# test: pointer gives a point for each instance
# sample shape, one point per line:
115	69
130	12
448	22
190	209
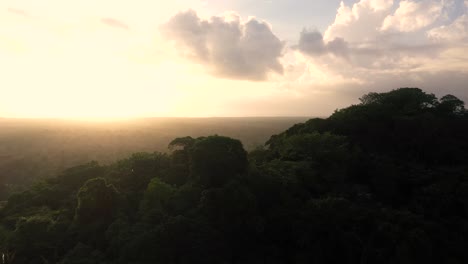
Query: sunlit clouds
230	47
191	58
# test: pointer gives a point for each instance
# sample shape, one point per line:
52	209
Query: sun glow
98	90
78	61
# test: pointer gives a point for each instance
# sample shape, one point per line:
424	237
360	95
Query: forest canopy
382	181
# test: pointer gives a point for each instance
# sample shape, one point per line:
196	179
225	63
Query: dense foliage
384	181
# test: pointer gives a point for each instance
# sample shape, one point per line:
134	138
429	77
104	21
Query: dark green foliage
97	207
407	100
96	201
450	104
133	174
215	160
384	181
154	205
76	176
35	237
83	254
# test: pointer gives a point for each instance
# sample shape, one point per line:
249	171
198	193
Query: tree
450	104
34	237
215	160
83	254
97	207
6	252
97	201
182	142
408	100
153	206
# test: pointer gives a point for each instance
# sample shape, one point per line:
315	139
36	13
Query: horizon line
150	117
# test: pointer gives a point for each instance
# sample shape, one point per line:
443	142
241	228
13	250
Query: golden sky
103	59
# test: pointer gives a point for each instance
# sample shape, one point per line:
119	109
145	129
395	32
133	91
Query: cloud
375	45
367	20
313	44
115	23
326	85
228	46
456	31
375	55
359	22
412	15
376	35
19	12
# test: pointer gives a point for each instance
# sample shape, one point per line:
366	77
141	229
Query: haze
122	59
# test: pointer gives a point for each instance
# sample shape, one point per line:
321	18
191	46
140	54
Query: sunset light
78	59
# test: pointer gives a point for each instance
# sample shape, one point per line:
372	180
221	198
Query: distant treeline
383	181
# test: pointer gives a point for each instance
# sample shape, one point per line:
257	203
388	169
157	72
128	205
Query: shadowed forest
383	181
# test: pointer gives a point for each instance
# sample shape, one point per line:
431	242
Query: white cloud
456	31
361	35
377	5
360	22
383	46
228	46
411	15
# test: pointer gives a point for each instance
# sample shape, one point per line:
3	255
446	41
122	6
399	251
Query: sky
203	58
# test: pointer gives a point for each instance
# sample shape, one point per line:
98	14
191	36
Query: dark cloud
114	23
231	48
312	43
379	54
